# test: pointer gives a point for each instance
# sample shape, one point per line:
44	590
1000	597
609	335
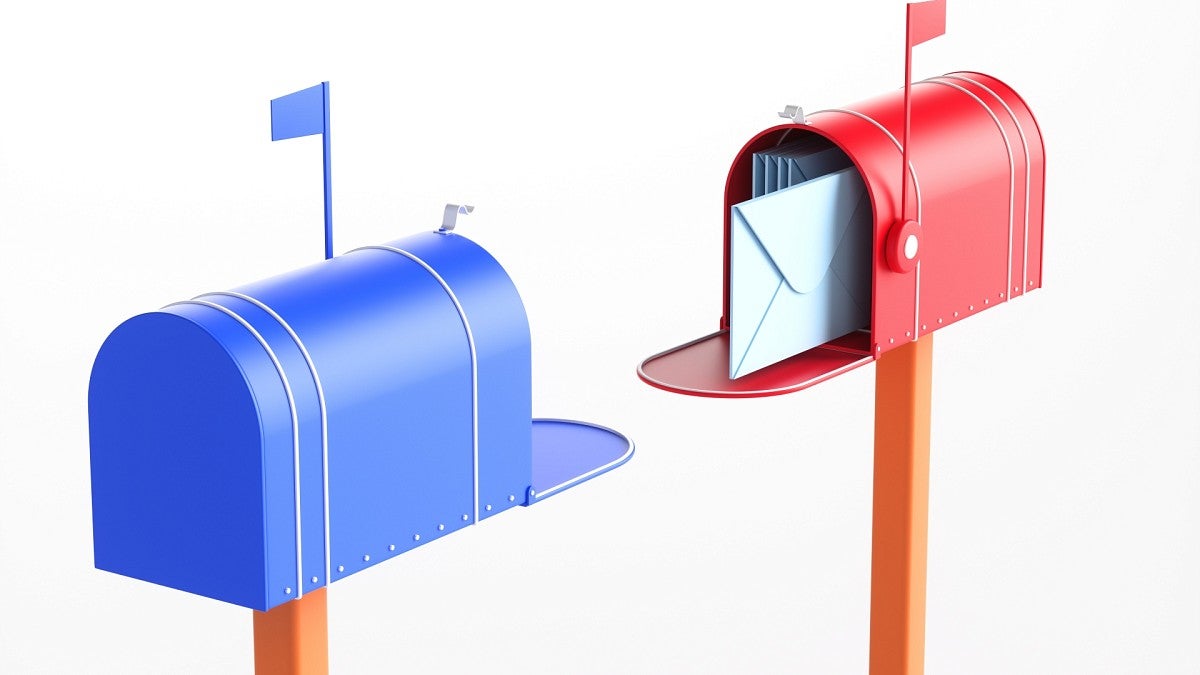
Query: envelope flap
801	227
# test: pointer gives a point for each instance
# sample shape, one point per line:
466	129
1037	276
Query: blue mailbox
256	444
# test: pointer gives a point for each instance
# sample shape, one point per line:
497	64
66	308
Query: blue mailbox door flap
567	453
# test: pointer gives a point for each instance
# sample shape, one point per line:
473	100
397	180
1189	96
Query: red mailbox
972	238
854	233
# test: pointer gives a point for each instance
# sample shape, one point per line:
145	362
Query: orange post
900	513
293	638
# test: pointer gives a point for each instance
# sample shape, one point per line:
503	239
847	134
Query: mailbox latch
450	217
794	113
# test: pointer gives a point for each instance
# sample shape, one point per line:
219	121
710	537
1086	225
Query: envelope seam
761	320
763	246
857	207
771	257
849	292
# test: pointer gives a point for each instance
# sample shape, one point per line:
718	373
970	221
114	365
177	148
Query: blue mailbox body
253	445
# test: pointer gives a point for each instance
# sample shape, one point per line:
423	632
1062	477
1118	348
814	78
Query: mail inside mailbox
800	256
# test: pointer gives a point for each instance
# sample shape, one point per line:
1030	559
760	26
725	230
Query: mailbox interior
701	367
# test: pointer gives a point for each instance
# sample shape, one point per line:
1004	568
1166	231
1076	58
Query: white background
1064	537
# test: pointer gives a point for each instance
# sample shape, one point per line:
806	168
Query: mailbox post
900	509
258	444
852	235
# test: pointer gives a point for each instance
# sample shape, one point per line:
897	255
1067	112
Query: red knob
904	246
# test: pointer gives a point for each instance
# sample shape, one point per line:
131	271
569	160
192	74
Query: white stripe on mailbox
1028	169
462	314
1012	172
312	368
287	390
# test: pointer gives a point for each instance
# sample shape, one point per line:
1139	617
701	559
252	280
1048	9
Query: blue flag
304	113
300	114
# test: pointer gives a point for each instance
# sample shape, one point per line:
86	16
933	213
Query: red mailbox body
977	167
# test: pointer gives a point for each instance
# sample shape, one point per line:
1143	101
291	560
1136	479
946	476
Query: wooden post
293	638
900	513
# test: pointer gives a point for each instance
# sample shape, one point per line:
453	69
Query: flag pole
306	113
900	500
905	177
328	180
293	638
923	22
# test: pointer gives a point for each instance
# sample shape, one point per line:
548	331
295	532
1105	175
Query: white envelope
800	269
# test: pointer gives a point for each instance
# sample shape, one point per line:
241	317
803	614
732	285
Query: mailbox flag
926	20
299	114
304	113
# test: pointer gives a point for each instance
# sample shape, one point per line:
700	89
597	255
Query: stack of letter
784	166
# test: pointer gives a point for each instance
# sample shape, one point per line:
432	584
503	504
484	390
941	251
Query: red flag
926	20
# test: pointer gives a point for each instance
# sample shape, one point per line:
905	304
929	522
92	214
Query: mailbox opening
797	207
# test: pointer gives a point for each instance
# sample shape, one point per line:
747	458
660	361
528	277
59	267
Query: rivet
923	327
891	341
908	333
1002	295
341	568
315	580
956	315
985	301
1031	283
970	308
512	498
287	591
391	547
416	537
488	507
466	517
441	527
1016	288
939	320
366	558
